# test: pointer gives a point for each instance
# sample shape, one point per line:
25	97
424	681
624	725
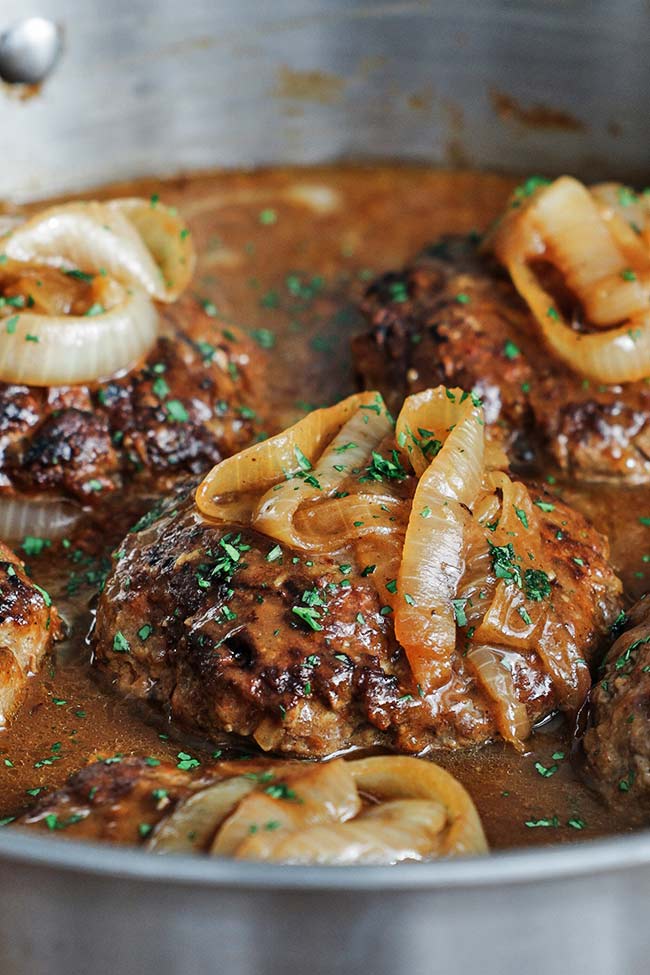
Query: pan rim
521	866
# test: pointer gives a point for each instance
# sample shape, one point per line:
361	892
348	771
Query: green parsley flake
120	643
176	411
32	545
186	763
523	518
275	554
537	585
459	611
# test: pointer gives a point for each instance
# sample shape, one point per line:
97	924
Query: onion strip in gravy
419	812
125	253
604	260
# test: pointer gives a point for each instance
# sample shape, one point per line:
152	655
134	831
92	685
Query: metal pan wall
148	87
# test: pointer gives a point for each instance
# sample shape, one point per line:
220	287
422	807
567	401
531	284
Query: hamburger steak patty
193	402
216	627
617	742
453	317
29	624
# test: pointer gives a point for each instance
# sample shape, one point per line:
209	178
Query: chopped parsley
32	545
176	411
523	518
504	563
537	585
186	763
280	790
544	505
275	554
459	611
382	468
120	643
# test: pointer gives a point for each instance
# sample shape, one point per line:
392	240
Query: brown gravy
286	253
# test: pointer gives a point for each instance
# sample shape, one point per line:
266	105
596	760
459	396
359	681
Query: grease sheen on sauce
285	253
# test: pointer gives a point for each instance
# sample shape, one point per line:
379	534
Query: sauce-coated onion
604	263
129	251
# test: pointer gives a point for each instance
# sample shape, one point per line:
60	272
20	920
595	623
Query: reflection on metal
157	88
29	50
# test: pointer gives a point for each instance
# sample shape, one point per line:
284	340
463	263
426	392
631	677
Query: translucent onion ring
46	518
130	240
49	350
415	778
134	250
422	812
351	449
511	716
230	492
590	243
432	560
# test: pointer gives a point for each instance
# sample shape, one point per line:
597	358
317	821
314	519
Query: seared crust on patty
29	624
453	317
617	742
194	401
217	644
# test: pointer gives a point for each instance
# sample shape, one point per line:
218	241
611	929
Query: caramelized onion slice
405	829
49	518
396	778
488	663
310	795
617	355
196	819
432	560
130	240
313	813
587	239
231	490
49	350
350	450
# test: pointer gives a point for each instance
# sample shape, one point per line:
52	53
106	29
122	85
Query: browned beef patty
116	800
216	627
454	318
29	624
617	743
194	401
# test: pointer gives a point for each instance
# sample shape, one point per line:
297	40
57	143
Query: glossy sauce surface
285	254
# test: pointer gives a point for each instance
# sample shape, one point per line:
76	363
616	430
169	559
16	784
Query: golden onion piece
265	485
138	243
126	253
64	350
451	465
376	810
599	242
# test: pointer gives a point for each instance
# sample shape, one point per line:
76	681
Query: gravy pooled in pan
284	259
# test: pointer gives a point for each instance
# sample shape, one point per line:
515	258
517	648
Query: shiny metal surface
29	50
154	86
74	909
